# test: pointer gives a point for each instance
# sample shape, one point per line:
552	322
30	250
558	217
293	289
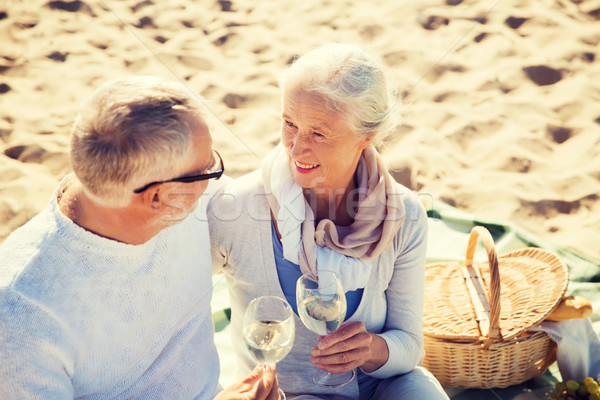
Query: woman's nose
298	145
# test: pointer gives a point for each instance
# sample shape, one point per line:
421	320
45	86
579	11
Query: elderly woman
324	199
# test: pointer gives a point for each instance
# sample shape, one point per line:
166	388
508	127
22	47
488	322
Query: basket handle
494	292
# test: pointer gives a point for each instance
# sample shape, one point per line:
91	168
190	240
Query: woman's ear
364	143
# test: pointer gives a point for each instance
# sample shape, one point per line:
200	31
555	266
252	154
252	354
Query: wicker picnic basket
477	316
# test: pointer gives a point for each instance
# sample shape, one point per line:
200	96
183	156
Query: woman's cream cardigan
392	301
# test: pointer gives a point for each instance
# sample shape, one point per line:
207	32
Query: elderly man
106	293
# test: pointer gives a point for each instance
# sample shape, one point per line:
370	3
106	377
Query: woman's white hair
129	132
351	81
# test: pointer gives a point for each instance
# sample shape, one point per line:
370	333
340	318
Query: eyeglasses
213	172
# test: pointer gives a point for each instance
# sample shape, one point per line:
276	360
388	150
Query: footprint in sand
370	32
141	4
515	22
6	128
55	161
146	22
551	207
233	100
71	6
559	134
432	22
58	56
226	5
543	75
25	153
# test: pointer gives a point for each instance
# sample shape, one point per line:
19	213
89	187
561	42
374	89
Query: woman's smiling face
323	151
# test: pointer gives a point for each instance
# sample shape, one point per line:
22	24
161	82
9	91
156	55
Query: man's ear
152	197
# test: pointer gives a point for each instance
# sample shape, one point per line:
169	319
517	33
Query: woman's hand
349	347
261	384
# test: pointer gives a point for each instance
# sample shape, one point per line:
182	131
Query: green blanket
449	230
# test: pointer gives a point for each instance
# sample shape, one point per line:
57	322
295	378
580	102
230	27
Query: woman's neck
337	205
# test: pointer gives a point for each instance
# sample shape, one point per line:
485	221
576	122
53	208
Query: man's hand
261	384
349	347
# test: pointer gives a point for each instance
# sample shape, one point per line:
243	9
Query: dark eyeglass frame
191	178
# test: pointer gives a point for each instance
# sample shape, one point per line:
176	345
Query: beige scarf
347	250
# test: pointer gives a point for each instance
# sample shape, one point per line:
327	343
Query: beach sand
502	97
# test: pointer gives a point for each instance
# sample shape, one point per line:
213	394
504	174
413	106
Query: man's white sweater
86	317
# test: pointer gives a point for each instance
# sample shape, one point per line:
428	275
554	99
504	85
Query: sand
502	97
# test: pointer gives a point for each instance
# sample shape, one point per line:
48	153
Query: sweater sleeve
403	329
213	206
220	217
233	213
36	357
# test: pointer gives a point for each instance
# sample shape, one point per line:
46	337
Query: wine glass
269	330
322	308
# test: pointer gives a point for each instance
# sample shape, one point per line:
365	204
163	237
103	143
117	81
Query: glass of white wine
269	330
322	309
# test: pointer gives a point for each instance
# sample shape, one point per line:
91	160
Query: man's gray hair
352	82
129	132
